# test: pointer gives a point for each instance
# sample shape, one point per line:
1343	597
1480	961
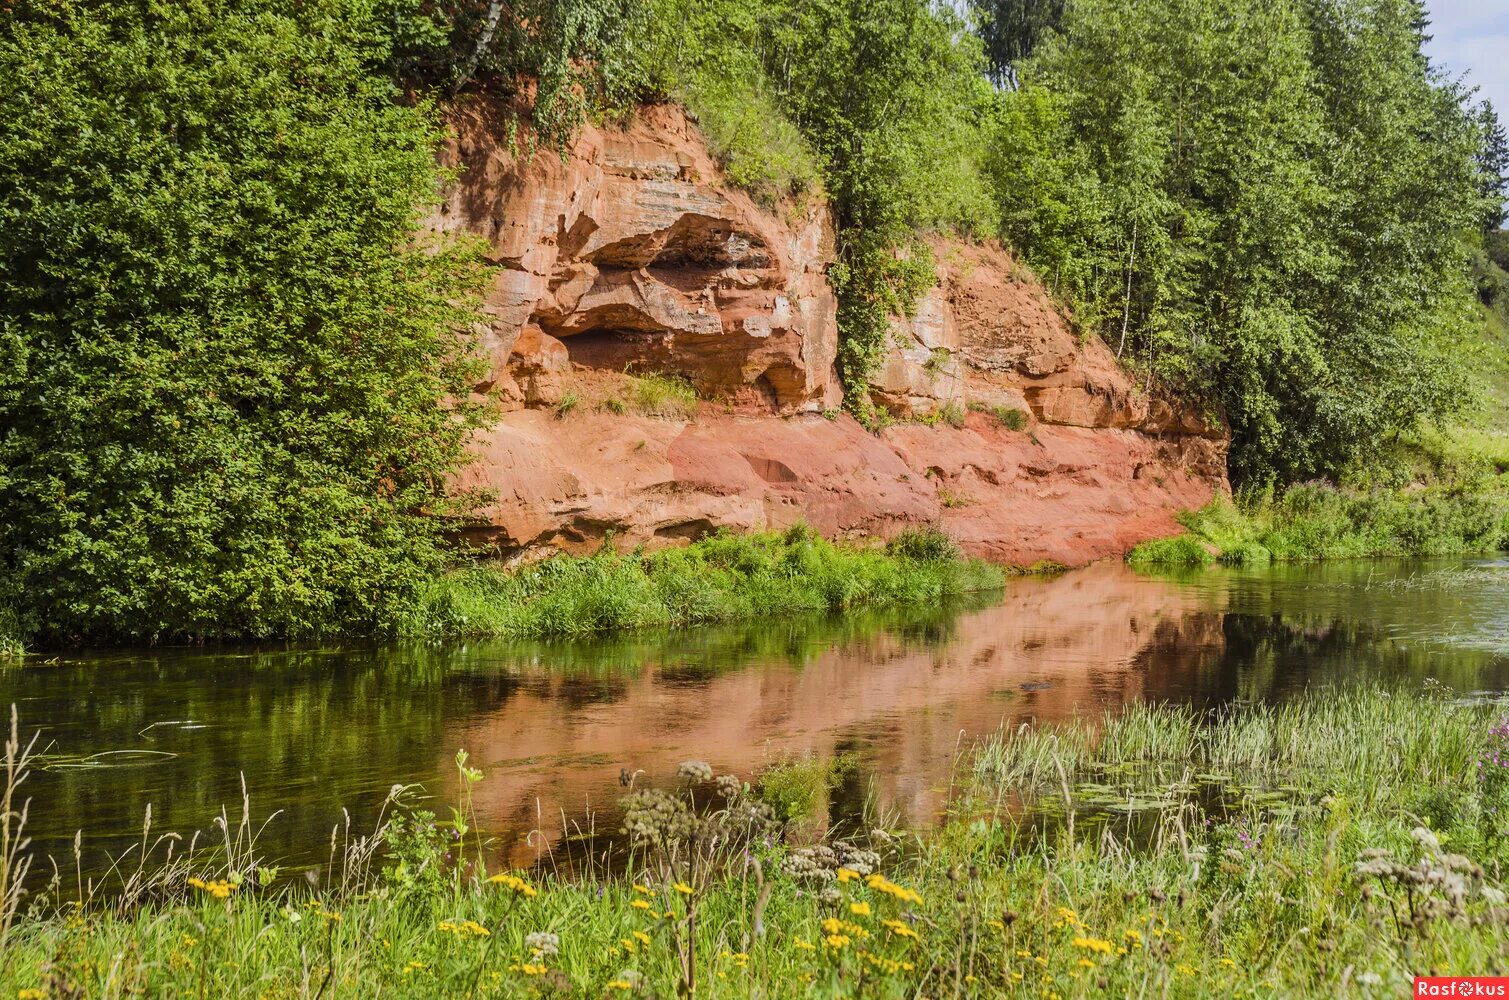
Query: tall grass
1317	521
724	577
1374	745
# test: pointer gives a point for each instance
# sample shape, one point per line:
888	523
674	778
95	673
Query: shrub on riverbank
232	381
1317	521
724	577
1342	842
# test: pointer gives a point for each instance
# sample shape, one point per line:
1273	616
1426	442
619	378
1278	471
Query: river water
315	731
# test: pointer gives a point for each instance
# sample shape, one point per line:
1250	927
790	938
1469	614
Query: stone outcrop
629	256
627	253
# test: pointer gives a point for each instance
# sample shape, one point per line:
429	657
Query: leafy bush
223	357
1275	213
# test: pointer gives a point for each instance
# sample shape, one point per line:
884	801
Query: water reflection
554	724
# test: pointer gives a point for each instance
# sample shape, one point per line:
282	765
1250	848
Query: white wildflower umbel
543	944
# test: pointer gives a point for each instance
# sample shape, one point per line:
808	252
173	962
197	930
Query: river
553	725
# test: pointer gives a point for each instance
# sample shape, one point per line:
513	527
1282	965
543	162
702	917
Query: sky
1472	37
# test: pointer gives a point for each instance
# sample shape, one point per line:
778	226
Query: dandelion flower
682	888
642	937
643	890
640	904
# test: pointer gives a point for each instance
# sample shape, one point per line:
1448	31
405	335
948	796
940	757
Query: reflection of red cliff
632	254
1072	640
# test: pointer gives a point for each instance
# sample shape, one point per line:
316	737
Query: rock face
627	254
628	259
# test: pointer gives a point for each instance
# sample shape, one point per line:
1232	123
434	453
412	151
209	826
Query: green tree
1493	166
1269	204
225	360
1011	31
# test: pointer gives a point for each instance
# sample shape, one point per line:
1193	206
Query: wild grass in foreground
721	578
1383	858
1317	521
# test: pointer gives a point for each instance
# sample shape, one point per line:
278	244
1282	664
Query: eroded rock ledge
630	255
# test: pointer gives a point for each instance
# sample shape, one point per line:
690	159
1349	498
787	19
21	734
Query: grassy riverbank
725	577
1318	521
1332	847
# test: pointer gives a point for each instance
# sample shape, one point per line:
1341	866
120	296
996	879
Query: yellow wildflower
882	884
619	984
899	929
415	967
682	888
832	925
640	904
1133	937
642	936
643	890
860	909
836	941
1229	963
1093	944
530	969
847	875
1184	970
804	944
515	883
1086	963
466	928
628	944
220	890
31	994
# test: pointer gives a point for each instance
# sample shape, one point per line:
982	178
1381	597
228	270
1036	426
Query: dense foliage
222	356
569	58
1275	213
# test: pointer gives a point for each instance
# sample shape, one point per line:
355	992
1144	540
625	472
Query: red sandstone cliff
630	255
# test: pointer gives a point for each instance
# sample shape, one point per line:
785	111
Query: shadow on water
553	724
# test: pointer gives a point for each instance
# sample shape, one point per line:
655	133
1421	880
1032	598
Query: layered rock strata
629	258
